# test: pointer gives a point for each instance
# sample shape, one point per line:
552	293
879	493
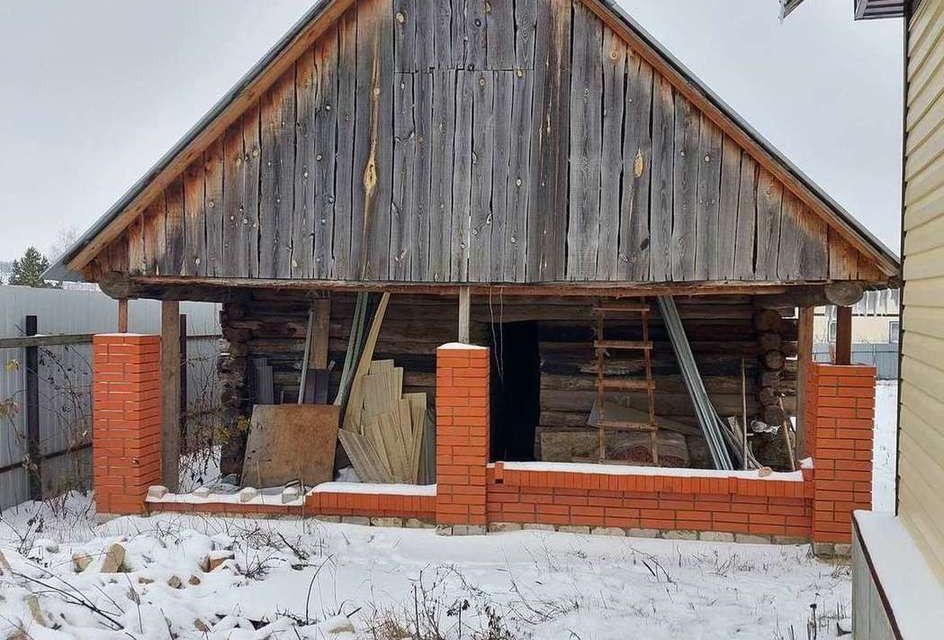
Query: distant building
876	319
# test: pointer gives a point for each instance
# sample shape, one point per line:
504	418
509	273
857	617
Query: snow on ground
885	446
288	579
300	579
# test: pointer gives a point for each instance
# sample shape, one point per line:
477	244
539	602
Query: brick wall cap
460	346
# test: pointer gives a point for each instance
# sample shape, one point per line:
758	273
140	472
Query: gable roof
322	15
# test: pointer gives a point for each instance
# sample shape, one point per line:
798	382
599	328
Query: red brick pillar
126	430
462	426
842	407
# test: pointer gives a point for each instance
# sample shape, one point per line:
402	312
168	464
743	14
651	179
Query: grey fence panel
65	376
883	356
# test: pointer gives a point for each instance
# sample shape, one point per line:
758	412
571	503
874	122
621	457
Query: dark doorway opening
515	390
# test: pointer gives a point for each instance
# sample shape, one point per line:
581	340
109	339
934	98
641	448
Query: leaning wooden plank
373	431
370	344
417	402
291	442
355	406
366	462
394	446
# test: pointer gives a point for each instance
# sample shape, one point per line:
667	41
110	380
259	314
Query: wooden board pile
383	427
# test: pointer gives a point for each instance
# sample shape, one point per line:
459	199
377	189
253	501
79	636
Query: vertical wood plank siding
457	141
921	443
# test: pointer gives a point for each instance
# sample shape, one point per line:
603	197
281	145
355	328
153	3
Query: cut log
767	320
774	360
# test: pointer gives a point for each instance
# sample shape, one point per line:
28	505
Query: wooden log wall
721	329
439	141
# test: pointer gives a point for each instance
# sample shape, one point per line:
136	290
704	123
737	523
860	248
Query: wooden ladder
606	383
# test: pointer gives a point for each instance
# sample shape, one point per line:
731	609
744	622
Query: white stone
337	626
157	492
248	494
716	536
680	534
572	528
416	523
503	527
356	520
608	531
537	526
202	492
468	530
643	533
291	494
386	522
750	538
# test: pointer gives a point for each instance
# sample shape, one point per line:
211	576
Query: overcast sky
92	93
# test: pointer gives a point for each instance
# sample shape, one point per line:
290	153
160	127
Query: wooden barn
527	175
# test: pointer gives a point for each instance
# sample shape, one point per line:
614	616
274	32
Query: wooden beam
465	311
318	356
843	335
123	315
182	341
232	289
170	393
804	360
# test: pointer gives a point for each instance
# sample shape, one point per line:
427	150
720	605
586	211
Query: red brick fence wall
473	495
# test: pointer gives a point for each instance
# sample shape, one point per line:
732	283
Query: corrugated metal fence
65	377
884	356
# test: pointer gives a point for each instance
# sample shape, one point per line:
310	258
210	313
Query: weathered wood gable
520	141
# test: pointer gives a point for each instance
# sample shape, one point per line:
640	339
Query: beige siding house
921	441
898	558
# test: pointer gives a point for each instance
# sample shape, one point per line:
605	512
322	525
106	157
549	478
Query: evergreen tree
28	270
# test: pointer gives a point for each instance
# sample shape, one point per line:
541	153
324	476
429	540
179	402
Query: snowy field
242	579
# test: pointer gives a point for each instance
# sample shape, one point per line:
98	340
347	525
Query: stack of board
383	427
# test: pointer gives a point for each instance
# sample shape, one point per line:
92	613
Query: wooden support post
123	315
183	378
804	360
465	310
170	393
843	335
34	470
318	356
